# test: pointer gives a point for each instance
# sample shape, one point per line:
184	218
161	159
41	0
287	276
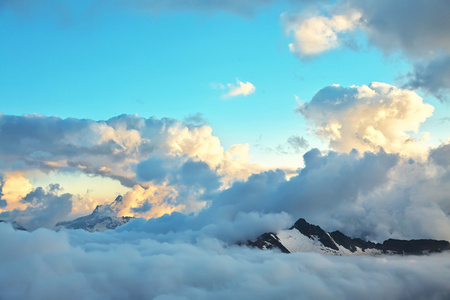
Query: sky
218	121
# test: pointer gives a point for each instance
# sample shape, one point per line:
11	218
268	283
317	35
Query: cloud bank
74	265
157	155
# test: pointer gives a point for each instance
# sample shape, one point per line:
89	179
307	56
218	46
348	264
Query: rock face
268	241
305	237
104	217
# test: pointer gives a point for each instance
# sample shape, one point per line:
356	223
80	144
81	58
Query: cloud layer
74	265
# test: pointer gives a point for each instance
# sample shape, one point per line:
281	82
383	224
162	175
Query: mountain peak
103	217
305	237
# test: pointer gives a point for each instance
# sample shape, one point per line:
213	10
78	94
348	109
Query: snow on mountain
104	217
305	237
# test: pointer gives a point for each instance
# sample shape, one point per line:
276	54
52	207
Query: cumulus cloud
315	35
373	196
241	89
145	155
368	118
109	148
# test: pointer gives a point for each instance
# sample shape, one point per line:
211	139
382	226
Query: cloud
14	188
39	208
373	196
294	144
315	35
241	89
368	118
418	28
120	264
433	77
128	148
195	119
376	195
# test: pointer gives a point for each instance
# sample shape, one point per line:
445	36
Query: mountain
104	217
305	237
15	225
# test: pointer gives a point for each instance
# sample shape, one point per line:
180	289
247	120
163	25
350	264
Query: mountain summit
305	237
103	217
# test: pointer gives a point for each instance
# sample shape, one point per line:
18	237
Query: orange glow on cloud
15	187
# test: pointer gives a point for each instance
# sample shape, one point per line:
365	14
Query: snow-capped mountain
305	237
104	217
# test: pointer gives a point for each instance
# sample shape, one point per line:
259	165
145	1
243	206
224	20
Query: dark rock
268	241
415	247
313	230
331	240
351	244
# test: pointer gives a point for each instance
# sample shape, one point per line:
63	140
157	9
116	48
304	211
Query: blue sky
97	64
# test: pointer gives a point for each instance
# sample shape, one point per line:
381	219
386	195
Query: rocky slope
104	217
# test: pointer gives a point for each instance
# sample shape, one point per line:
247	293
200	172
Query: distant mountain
15	225
104	217
305	237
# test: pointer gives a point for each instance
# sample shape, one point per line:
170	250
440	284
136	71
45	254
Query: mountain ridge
104	217
306	237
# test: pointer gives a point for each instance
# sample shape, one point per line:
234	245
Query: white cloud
318	34
241	89
127	265
368	118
